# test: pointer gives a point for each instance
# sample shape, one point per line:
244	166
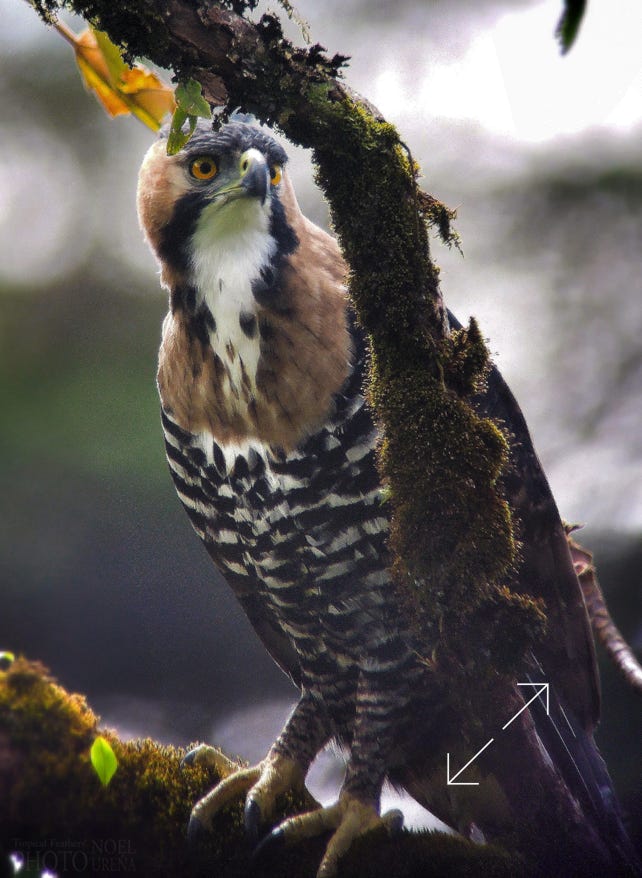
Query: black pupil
205	167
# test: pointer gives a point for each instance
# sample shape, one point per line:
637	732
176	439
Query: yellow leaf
112	58
118	87
102	89
153	97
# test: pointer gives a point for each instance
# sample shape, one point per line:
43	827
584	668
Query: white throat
231	244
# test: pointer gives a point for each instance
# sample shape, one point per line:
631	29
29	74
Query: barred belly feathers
272	447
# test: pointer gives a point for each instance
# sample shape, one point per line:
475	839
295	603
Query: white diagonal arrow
543	688
463	783
452	781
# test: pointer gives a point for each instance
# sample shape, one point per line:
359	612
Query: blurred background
101	576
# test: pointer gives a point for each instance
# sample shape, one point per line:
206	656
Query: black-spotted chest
225	279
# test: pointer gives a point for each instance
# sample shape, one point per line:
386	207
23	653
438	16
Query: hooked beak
252	181
254	174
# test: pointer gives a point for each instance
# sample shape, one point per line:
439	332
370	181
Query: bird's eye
275	174
203	168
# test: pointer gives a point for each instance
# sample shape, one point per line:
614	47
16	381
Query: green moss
452	533
52	800
440	217
503	628
427	855
50	790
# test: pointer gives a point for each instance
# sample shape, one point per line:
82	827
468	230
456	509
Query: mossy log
55	812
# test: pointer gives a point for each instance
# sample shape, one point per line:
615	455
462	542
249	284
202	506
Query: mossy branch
56	814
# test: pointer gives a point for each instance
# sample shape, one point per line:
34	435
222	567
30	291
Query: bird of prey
272	449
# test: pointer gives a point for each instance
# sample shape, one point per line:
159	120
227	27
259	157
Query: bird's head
256	342
222	183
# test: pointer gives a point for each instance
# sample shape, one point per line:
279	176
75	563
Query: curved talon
209	757
347	819
223	794
196	832
272	843
264	782
393	821
191	757
252	820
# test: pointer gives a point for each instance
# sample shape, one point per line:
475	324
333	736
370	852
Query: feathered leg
381	703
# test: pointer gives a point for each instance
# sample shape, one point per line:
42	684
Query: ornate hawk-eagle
272	449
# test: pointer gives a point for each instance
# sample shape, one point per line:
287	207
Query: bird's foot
347	819
262	783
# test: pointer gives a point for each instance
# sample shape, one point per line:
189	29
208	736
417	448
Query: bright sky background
513	80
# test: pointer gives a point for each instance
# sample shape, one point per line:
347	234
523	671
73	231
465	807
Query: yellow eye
203	168
275	174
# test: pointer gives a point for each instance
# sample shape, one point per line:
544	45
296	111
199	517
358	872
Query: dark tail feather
575	754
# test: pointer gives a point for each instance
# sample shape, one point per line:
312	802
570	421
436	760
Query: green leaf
190	105
103	759
569	24
177	138
189	98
